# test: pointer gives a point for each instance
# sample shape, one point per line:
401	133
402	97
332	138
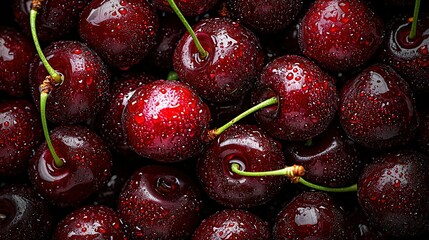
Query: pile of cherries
331	138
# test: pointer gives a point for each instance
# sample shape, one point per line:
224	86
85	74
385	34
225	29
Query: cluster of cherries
263	119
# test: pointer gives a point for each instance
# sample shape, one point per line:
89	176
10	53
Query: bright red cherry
166	121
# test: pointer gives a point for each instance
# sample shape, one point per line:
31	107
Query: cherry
232	224
307	98
57	17
166	121
234	59
20	135
187	7
86	166
90	222
253	150
377	108
393	192
16	53
121	31
310	215
160	202
409	57
265	15
340	34
84	89
23	214
329	159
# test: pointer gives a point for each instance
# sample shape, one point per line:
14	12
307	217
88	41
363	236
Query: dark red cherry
84	89
377	108
86	168
55	19
393	191
160	202
16	53
90	222
109	120
234	60
265	15
340	34
20	135
329	159
121	31
232	224
166	121
310	215
254	151
409	57
307	98
187	7
23	214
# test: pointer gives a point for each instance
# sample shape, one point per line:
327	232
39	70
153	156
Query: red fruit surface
187	7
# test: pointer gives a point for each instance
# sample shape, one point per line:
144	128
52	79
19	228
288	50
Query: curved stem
415	19
57	77
43	98
290	171
352	188
201	50
172	76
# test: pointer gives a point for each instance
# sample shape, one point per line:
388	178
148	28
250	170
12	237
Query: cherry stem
217	131
415	17
172	76
33	14
201	50
352	188
290	171
43	98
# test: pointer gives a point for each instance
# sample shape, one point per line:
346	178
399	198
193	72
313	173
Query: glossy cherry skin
16	53
187	7
409	57
340	34
24	215
254	151
166	121
307	98
55	19
232	224
265	16
20	135
377	108
235	59
121	31
108	122
310	215
160	202
329	159
393	192
84	88
90	222
86	168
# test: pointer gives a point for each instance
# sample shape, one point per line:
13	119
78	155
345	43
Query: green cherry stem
33	14
201	50
172	76
415	18
352	188
217	131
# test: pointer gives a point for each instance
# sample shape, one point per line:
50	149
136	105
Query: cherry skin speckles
393	191
121	31
377	108
20	135
160	202
254	151
234	60
86	168
84	89
232	224
187	7
16	53
166	121
307	98
340	34
91	222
